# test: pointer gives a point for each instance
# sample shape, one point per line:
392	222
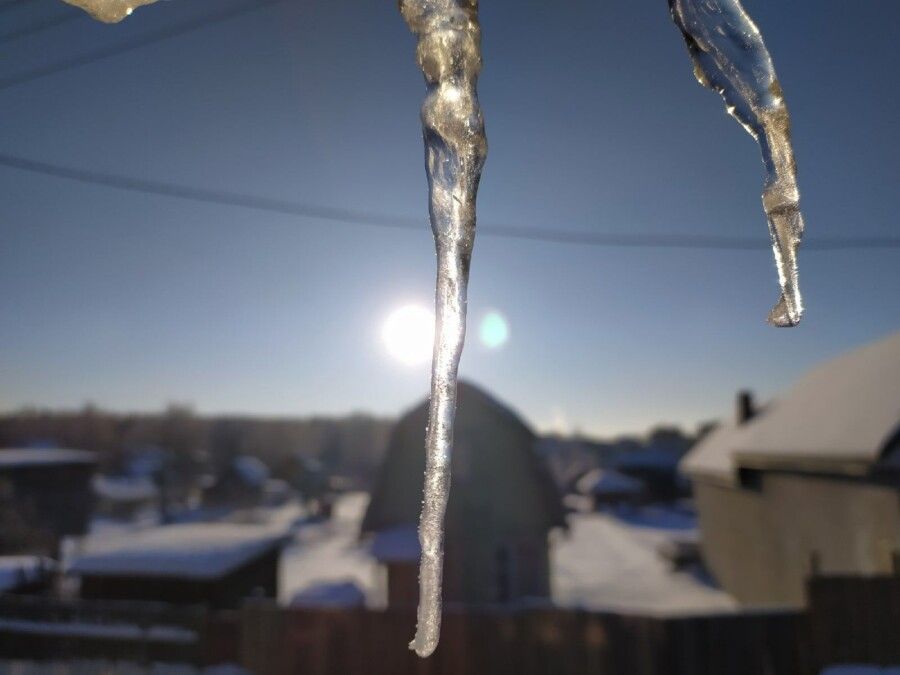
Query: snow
330	553
251	469
606	564
602	564
125	488
14	458
608	481
840	414
398	544
19	570
199	551
112	631
337	594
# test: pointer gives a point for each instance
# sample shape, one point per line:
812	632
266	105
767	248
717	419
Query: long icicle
109	11
731	58
449	54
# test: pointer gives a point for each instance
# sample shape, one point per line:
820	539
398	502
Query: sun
408	334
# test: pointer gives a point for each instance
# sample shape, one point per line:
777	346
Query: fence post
262	637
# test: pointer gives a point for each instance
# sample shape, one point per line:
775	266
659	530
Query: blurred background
218	278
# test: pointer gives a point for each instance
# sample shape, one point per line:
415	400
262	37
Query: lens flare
494	330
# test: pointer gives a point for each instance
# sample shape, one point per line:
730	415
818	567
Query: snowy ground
329	552
602	563
605	563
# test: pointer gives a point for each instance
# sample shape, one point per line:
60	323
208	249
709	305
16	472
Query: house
809	484
241	484
125	497
215	564
608	487
503	504
26	574
45	495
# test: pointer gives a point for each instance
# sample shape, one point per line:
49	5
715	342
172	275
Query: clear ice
731	58
109	11
449	54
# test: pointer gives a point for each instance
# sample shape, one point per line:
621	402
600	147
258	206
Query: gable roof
204	551
840	417
494	440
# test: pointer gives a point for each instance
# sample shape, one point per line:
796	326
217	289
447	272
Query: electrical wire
368	219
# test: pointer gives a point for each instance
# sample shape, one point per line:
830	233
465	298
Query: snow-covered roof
20	570
197	550
651	458
124	488
607	481
838	417
251	469
330	594
13	458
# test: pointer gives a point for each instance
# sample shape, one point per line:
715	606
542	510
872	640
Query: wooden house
214	564
503	504
808	485
45	495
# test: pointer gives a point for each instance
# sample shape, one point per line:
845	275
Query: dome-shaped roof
493	463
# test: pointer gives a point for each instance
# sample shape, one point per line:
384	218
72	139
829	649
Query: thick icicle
449	53
109	11
730	57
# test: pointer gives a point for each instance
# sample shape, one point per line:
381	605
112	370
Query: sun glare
408	334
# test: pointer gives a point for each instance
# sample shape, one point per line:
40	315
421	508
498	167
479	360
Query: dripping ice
731	58
449	54
109	11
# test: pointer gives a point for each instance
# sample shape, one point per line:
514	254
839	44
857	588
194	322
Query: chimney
745	408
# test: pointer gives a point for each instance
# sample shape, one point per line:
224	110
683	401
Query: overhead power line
10	4
188	26
367	219
39	27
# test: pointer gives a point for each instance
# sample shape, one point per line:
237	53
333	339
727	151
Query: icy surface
449	54
730	57
109	11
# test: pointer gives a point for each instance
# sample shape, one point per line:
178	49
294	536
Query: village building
502	507
214	564
810	484
45	495
126	498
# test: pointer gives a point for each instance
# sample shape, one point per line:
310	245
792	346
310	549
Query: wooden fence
45	628
531	642
854	620
848	620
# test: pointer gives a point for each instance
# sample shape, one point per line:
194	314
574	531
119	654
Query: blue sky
595	124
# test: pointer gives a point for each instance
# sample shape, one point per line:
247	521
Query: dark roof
502	474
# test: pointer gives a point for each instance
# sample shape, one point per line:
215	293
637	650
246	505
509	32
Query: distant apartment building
809	484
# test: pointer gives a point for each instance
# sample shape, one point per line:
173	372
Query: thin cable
11	4
39	27
335	214
156	36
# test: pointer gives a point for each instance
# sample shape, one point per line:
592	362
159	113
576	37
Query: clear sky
595	124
